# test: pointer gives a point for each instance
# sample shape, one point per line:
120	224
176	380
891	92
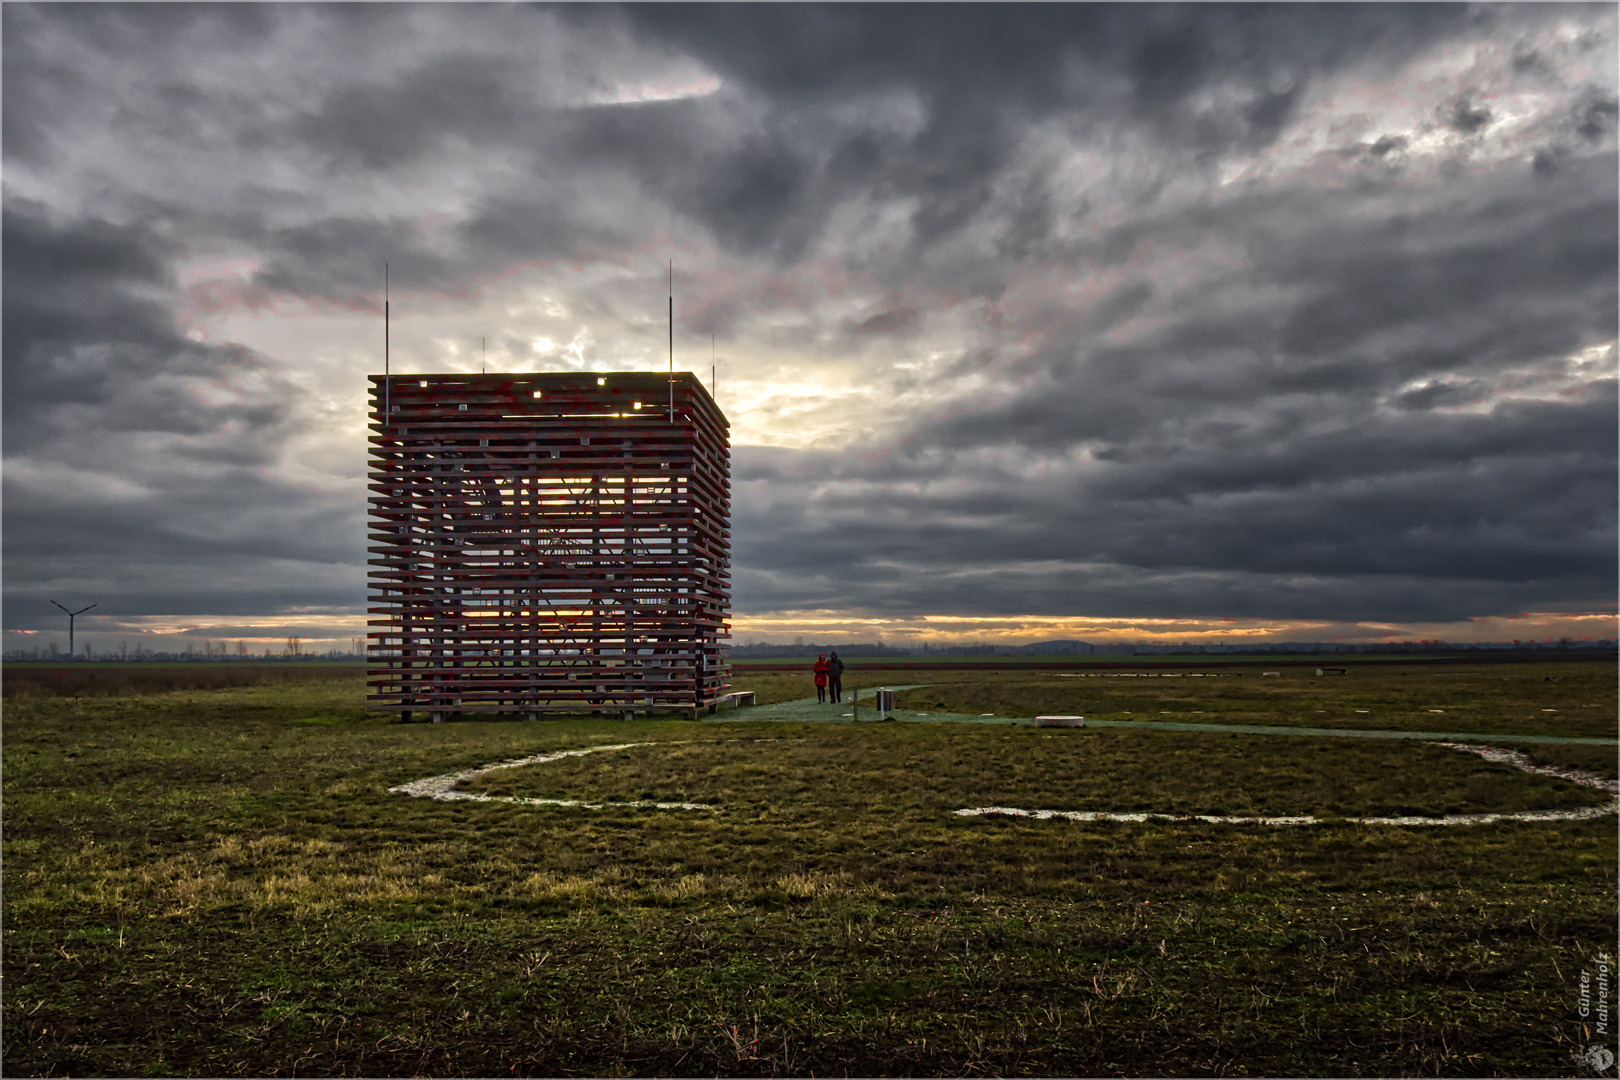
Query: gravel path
1489	753
809	710
443	787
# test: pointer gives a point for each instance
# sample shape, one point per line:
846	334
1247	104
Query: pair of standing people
829	677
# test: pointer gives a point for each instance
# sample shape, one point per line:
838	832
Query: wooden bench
735	699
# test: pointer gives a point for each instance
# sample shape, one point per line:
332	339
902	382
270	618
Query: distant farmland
145	678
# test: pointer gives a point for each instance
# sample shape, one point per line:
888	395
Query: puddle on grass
1489	753
443	787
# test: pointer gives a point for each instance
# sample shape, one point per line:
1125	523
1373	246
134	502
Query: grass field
218	881
143	678
1571	699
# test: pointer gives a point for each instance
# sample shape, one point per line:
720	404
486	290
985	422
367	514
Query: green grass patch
915	773
207	882
1573	699
67	680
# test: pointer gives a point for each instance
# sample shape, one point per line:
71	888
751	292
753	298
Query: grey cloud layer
1282	398
1263	461
139	463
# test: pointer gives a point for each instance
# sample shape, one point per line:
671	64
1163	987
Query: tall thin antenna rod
712	365
386	381
71	616
672	341
483	366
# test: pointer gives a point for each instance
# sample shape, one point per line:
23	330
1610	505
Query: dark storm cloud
1288	460
69	286
137	461
1594	116
1468	117
982	73
1434	528
318	260
452	99
1284	398
985	72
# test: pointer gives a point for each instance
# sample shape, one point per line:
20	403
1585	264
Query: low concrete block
1060	721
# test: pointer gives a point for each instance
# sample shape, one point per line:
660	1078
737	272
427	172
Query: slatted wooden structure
553	542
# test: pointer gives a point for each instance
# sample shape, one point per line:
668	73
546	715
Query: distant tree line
761	650
201	651
205	651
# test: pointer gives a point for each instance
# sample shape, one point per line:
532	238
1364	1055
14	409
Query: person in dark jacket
835	677
820	668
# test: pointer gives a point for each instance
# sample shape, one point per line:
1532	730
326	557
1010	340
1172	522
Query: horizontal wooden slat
567	552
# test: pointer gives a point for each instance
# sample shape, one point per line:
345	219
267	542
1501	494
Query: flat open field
220	881
1569	699
92	679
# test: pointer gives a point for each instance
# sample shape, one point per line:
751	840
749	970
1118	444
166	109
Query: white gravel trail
1489	753
443	787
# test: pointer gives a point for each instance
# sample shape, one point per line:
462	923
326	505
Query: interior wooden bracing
548	543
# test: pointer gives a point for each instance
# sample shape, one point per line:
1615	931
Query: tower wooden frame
550	542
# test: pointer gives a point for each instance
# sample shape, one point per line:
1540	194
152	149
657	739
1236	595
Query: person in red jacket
820	668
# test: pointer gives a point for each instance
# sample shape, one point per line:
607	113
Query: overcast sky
1032	322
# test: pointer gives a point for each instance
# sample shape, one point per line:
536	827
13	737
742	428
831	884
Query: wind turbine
71	615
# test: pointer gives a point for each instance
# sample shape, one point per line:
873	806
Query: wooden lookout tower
548	543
